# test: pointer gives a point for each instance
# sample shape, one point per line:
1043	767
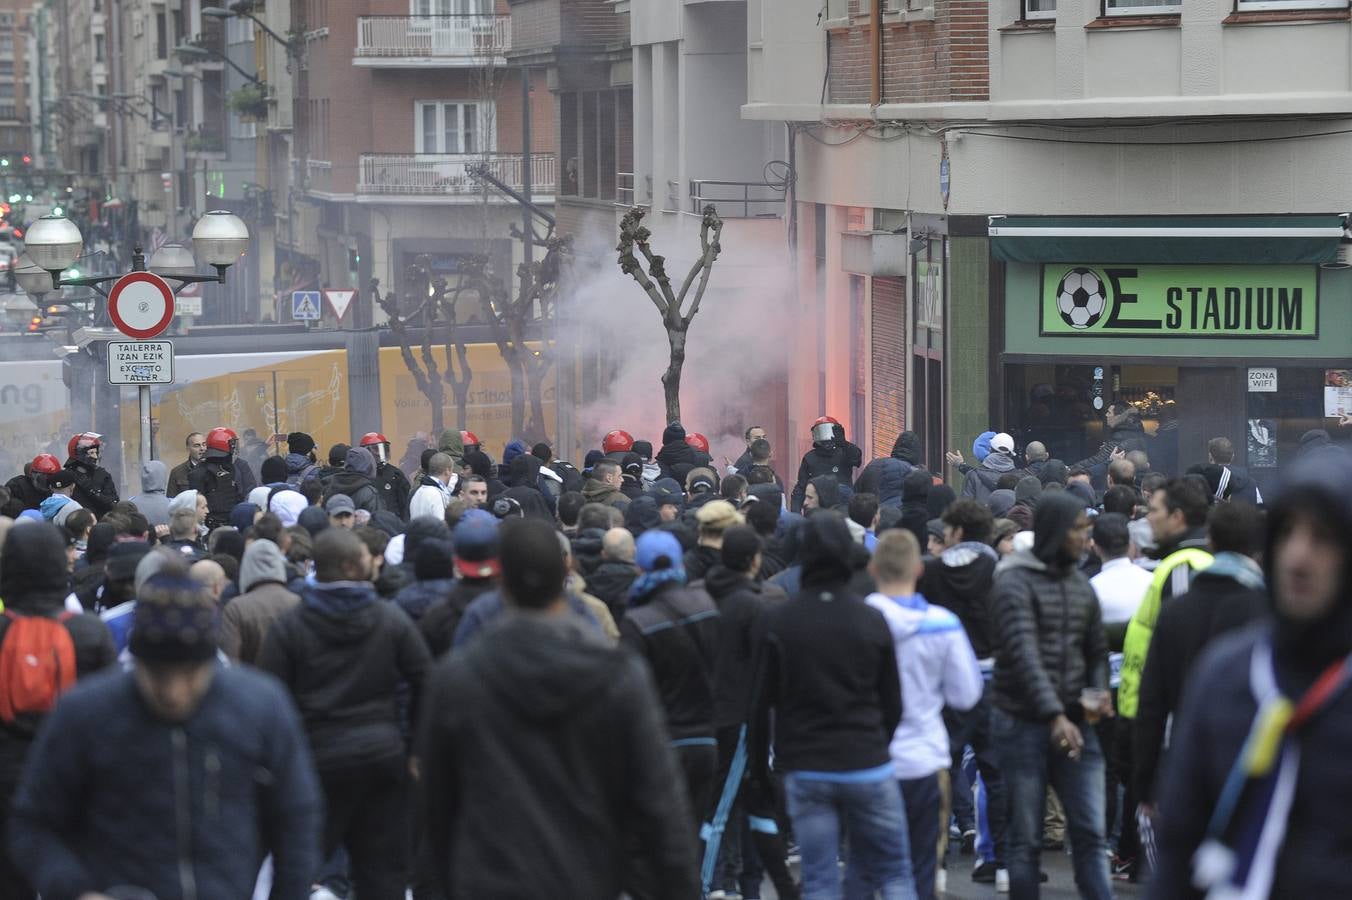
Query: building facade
1008	201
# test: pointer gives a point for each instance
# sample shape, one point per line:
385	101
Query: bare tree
656	283
438	302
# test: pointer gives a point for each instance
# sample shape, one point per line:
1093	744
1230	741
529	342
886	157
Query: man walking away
829	674
344	654
222	774
981	481
1051	649
357	480
612	579
557	739
937	669
152	501
675	628
264	599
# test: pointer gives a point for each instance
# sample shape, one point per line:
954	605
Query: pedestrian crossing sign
305	306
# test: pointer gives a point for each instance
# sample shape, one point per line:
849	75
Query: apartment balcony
463	41
447	178
737	199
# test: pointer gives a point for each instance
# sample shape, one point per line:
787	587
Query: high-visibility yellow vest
1142	626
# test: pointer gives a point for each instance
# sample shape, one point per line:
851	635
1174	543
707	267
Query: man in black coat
831	454
610	581
358	481
887	477
1225	596
216	477
557	739
677	458
346	655
94	487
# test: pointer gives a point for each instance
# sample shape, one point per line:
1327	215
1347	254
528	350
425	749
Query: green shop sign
1180	301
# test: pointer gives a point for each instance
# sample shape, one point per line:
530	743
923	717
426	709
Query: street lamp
172	261
188	52
219	239
54	244
241	10
35	280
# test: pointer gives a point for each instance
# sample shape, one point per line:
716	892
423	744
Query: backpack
37	664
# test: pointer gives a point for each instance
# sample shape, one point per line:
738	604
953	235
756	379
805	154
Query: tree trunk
535	377
515	367
460	386
437	398
671	378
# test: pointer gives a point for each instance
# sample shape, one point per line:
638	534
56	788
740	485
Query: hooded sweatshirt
937	668
450	444
537	696
1219	706
1051	642
263	599
343	653
886	477
982	480
960	580
152	502
357	480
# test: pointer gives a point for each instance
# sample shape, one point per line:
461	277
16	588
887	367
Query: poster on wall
1337	393
1262	444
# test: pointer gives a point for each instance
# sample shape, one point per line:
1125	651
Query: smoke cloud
736	352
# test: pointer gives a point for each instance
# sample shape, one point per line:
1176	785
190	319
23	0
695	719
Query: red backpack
37	664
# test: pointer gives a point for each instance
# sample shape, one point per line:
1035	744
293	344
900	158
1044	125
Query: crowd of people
661	676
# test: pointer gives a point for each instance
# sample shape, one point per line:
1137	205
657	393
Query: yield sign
339	301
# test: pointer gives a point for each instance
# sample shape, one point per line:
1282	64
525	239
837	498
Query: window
238	30
1261	5
6	43
453	128
7	91
241	130
98	48
1142	7
161	36
1039	9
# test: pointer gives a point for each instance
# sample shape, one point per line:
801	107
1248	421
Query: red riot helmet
617	441
824	429
698	441
378	443
46	464
82	442
222	440
469	439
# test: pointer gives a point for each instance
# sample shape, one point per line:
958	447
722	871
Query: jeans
924	804
869	813
974	728
1029	761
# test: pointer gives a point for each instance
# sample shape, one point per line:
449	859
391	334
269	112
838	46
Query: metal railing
450	37
624	188
737	199
442	174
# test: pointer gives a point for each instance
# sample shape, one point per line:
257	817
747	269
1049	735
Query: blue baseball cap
476	545
653	546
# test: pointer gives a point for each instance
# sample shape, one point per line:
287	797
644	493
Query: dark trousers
699	765
367	813
13	886
974	728
1129	841
923	802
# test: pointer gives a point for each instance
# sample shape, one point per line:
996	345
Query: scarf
1238	858
647	582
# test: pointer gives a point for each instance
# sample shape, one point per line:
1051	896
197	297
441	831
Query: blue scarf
648	582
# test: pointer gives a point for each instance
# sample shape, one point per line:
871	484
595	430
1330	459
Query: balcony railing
624	188
737	199
444	37
449	175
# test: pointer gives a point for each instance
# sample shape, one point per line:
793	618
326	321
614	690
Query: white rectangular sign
140	362
187	306
1263	381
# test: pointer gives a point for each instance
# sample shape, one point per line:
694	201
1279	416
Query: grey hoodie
263	561
263	599
152	502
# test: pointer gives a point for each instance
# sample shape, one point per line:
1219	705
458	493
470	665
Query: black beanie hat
174	621
740	546
299	442
273	470
674	433
644	449
338	455
543	453
435	559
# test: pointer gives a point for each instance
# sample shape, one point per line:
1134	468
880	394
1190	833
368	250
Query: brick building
392	111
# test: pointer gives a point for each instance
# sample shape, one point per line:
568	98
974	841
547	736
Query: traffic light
34	323
27	160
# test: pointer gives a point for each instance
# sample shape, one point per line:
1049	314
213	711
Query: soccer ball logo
1081	298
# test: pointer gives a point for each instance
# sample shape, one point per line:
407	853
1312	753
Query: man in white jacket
937	668
434	489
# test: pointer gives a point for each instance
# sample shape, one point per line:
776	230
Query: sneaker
320	892
1123	869
968	844
792	855
1001	881
985	872
941	881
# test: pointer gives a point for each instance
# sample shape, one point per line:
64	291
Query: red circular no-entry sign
141	305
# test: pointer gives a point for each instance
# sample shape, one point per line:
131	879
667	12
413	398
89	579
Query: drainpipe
875	47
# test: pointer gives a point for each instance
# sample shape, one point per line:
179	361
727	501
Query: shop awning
1180	240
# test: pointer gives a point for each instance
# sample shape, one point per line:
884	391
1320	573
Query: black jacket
587	550
1215	604
215	479
343	653
1209	732
741	602
678	458
1050	643
94	487
829	671
357	486
609	582
825	458
547	771
99	806
960	580
26	493
700	560
439	623
884	477
675	628
394	489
